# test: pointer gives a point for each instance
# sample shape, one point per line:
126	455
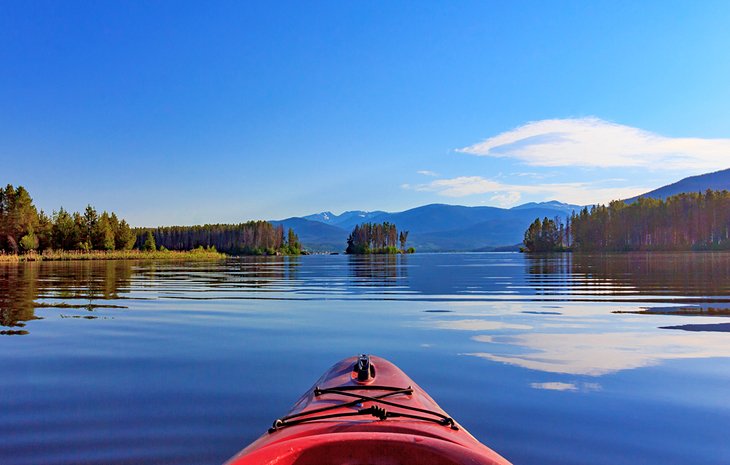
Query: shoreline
68	255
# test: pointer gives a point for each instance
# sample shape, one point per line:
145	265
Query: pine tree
149	242
403	239
103	236
65	233
44	231
114	224
125	237
88	224
18	216
293	242
81	233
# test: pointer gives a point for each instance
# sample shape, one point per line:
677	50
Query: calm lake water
186	363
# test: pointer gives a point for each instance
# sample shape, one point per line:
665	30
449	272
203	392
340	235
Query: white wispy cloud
593	142
531	174
427	173
505	194
460	187
507	198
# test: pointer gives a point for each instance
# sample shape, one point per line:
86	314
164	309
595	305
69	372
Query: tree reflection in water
704	274
380	270
27	286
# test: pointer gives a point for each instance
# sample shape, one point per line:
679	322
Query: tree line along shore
683	222
29	234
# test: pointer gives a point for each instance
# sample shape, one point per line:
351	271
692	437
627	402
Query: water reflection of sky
597	354
531	344
504	297
580	339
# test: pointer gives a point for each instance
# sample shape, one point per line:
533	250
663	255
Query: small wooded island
377	238
27	234
689	221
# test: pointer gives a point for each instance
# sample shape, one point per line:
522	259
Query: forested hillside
717	181
694	221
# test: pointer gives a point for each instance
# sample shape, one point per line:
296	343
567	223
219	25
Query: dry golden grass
196	254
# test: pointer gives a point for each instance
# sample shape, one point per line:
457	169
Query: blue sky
183	113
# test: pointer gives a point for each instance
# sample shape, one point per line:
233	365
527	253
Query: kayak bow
365	410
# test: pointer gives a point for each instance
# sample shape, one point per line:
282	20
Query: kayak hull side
367	440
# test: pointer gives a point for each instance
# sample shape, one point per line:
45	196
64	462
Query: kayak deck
365	410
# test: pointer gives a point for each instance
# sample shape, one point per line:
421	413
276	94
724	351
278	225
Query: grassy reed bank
195	254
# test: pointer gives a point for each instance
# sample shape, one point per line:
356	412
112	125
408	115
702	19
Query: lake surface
186	363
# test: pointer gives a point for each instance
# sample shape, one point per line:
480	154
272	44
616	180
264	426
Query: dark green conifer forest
24	229
689	221
251	238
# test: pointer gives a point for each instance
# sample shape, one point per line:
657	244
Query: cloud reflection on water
479	325
555	386
600	354
567	387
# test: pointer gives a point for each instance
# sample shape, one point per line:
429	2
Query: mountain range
717	181
443	228
432	228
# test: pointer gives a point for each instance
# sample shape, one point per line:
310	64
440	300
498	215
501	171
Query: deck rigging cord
357	399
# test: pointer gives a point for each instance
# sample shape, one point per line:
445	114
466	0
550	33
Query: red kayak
365	410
